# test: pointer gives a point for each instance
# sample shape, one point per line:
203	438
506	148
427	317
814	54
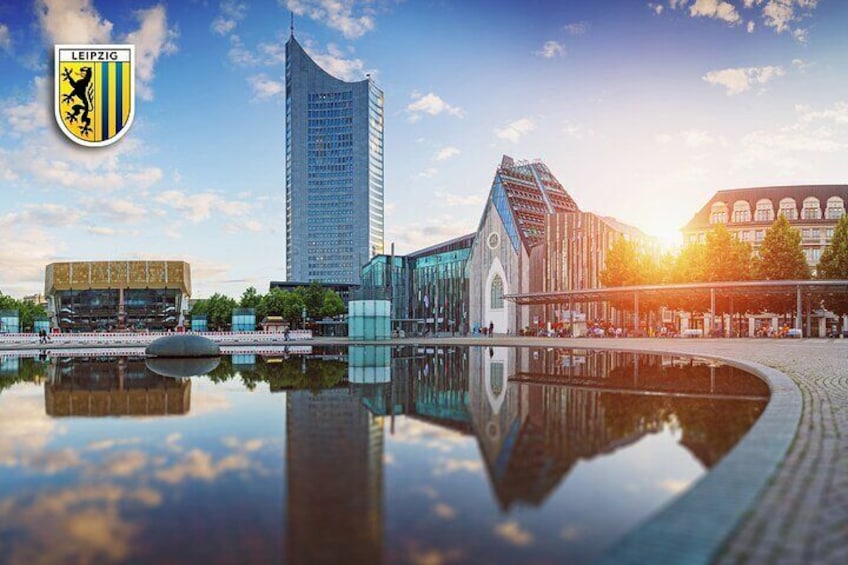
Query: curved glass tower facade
334	172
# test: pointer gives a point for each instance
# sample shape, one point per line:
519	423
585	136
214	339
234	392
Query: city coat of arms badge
95	91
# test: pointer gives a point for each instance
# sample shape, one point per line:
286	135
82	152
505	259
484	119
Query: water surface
356	455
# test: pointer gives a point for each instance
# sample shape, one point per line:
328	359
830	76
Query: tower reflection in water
534	413
98	387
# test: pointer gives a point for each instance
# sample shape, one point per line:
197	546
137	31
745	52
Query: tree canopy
781	256
27	311
834	260
318	302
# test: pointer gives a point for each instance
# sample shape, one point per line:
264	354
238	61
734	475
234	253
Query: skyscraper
334	172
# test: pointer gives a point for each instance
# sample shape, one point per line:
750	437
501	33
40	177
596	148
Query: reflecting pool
355	455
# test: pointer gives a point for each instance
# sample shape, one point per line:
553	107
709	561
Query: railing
140	339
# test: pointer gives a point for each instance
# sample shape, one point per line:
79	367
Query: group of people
483	330
43	336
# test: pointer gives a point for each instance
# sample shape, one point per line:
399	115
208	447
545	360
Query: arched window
812	208
496	383
497	300
789	209
741	211
835	208
765	210
718	213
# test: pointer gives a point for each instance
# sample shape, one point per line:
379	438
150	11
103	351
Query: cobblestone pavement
802	513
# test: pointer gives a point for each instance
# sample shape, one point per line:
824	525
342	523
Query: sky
642	110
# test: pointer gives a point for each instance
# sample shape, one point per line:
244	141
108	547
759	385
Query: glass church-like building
334	172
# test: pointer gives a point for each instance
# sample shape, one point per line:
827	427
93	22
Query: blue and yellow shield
95	92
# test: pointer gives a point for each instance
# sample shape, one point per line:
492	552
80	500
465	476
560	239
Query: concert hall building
84	296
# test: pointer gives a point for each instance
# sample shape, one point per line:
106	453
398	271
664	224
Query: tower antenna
292	24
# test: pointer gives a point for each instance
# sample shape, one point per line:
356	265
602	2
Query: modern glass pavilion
802	296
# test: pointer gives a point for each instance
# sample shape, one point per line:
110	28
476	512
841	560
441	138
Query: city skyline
641	109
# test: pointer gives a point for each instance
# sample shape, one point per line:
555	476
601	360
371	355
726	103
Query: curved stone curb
694	527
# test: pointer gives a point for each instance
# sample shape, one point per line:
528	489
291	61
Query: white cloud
697	139
513	533
77	21
200	206
717	9
24	253
451	200
791	147
264	87
765	143
100	230
516	130
741	79
577	131
5	38
656	8
780	15
199	465
72	21
52	215
350	17
32	113
446	153
412	236
334	62
152	39
231	13
444	511
577	28
432	105
550	50
117	210
800	35
838	114
241	55
427	173
249	225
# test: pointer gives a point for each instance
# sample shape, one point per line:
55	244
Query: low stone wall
128	339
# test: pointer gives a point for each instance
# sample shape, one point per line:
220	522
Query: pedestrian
491	328
286	335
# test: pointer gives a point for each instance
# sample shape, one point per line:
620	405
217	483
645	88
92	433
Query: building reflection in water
334	455
97	387
535	413
562	406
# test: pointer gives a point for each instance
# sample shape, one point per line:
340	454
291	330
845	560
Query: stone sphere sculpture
182	346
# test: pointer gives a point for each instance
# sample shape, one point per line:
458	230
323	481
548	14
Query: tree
690	264
28	312
727	258
781	256
250	298
272	303
313	297
834	261
200	307
333	305
220	310
834	264
623	265
292	308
